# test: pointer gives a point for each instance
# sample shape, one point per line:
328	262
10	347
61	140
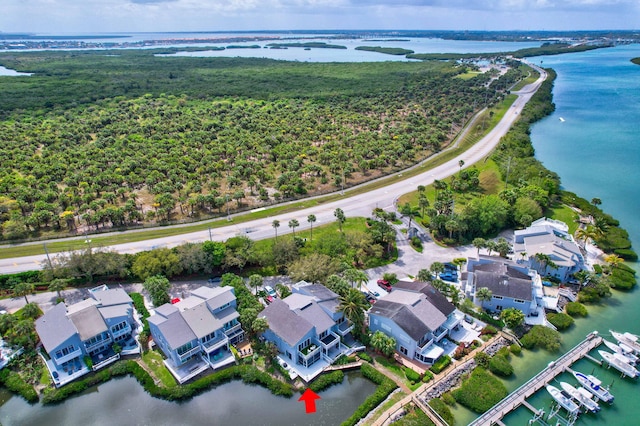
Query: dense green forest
116	138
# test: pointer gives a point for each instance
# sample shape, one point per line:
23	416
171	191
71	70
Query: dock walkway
517	397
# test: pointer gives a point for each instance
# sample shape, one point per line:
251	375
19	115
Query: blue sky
85	16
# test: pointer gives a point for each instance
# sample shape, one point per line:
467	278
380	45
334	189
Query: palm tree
255	281
353	305
479	243
340	216
293	224
484	294
425	275
31	310
311	219
7	321
57	285
544	260
613	260
423	203
22	289
276	225
355	276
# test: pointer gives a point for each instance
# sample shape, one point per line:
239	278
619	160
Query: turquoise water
596	152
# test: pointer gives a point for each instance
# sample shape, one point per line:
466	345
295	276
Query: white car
270	291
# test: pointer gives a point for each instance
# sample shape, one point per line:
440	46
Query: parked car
268	300
384	284
270	291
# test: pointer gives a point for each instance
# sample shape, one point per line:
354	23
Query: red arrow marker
309	397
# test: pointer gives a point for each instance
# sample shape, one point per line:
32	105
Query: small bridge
350	366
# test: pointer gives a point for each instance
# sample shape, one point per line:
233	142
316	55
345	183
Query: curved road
356	206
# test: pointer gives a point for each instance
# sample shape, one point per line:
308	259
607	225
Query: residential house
512	285
418	316
196	333
550	238
88	335
307	327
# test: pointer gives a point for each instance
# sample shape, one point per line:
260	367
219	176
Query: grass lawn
565	214
415	417
398	371
388	404
153	360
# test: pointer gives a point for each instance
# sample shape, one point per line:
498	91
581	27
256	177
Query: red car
384	284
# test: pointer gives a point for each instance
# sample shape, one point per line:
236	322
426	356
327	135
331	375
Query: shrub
541	336
482	359
441	364
597	269
480	391
627	254
561	321
515	349
16	384
500	366
427	376
576	309
327	380
365	356
443	410
411	375
488	330
448	399
622	279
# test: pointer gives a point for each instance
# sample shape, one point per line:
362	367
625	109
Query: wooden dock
518	397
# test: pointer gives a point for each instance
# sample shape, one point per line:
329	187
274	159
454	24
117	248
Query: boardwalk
517	397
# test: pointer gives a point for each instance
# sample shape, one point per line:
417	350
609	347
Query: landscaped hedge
411	375
441	364
365	356
623	279
385	387
16	384
246	373
627	254
500	366
541	336
560	320
481	391
24	277
327	380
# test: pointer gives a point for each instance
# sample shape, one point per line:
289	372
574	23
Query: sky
91	16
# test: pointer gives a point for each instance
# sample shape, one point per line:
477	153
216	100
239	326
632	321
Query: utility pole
48	258
210	238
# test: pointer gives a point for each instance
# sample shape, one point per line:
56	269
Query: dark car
384	284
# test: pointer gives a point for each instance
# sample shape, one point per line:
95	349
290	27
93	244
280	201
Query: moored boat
564	401
619	364
619	349
628	339
593	385
583	398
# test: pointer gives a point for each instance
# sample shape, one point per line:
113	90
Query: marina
582	396
619	363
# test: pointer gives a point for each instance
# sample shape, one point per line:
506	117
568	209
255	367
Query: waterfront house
88	335
418	316
552	239
307	328
512	285
196	333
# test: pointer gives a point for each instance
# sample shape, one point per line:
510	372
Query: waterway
596	152
124	402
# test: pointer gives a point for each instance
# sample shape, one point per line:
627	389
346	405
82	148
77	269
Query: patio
306	373
188	370
71	371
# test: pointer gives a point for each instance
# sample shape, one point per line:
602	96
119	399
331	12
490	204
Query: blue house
88	335
418	317
196	333
307	327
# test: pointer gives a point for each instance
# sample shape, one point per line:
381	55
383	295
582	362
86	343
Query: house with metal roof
418	316
307	327
88	335
550	238
196	333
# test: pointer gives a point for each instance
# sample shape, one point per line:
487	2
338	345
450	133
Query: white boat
564	401
593	385
581	396
631	358
628	339
561	119
619	364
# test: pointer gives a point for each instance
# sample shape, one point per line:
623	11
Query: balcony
96	345
75	354
215	343
329	340
126	330
308	352
440	333
344	328
425	344
104	361
185	356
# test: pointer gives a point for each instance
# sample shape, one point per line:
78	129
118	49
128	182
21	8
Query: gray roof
215	297
54	327
503	280
285	323
316	316
114	311
175	330
166	310
412	311
200	320
115	296
318	291
88	322
431	293
298	301
227	315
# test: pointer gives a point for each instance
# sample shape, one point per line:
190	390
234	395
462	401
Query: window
184	348
65	351
304	344
403	350
519	300
324	333
119	327
208	337
497	297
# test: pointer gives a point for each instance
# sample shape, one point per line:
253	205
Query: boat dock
519	396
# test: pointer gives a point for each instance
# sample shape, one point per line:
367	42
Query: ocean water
596	152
